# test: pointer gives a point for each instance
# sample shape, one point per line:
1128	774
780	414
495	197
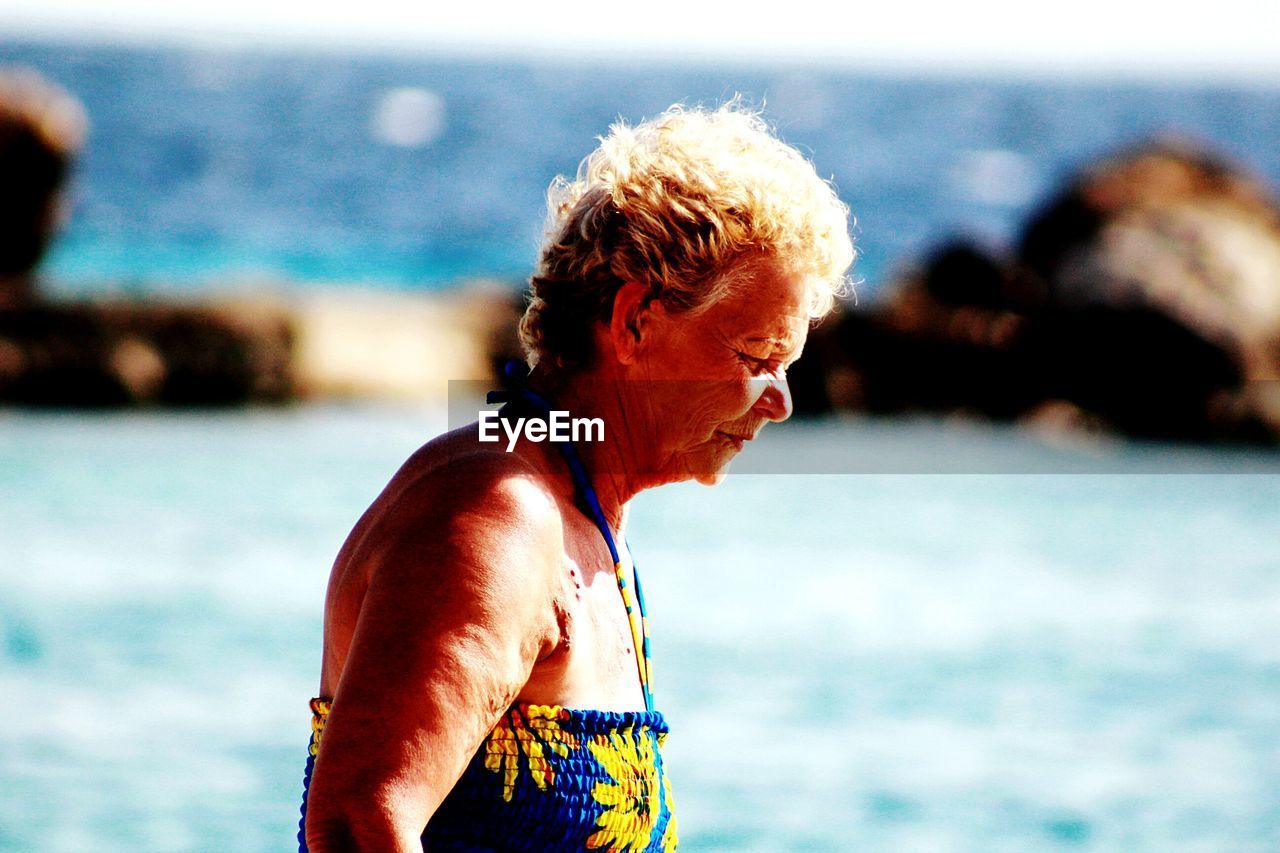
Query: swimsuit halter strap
518	392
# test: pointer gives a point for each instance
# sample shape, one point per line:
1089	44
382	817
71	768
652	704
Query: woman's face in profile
722	371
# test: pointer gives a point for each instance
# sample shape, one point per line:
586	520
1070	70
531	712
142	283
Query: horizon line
1251	72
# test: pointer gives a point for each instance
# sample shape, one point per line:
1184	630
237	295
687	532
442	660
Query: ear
630	320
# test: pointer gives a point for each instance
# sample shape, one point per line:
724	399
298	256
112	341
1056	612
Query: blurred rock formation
315	344
1144	298
109	354
41	131
128	354
223	352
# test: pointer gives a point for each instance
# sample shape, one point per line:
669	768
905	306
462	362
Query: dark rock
128	354
41	130
1145	296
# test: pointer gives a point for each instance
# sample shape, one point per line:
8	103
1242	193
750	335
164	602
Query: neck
615	462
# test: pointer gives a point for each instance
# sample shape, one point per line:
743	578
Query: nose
774	402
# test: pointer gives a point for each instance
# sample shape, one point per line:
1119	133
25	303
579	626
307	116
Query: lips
733	438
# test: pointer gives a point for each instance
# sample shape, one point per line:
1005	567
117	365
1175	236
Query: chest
595	663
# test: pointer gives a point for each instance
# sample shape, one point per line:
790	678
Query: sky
1226	39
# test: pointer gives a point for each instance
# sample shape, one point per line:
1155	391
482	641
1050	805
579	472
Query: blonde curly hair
679	204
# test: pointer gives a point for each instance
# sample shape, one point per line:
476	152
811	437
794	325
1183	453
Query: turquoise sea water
206	167
900	662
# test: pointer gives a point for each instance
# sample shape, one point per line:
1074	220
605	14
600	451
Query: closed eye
760	365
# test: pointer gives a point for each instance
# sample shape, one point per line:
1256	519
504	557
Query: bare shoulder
456	493
455	482
459	528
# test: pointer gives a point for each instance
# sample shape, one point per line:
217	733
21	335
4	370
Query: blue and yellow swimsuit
549	778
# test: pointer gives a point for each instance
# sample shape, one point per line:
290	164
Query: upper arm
458	609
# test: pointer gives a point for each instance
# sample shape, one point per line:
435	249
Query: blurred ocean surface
207	167
931	662
896	662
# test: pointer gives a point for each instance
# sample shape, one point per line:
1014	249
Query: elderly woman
486	647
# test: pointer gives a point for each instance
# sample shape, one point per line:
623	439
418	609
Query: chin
707	464
711	469
712	478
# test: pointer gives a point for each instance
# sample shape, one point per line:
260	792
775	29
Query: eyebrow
780	343
792	349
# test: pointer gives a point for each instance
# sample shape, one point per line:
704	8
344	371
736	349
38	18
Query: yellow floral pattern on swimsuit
552	778
532	731
669	839
631	801
319	716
